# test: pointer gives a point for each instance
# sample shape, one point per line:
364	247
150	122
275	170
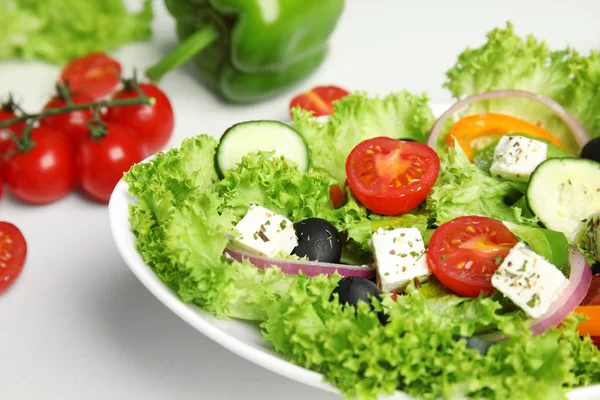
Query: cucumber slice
563	192
253	136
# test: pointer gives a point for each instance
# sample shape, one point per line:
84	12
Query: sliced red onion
574	125
570	297
308	268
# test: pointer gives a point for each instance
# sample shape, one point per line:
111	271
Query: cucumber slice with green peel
253	136
563	193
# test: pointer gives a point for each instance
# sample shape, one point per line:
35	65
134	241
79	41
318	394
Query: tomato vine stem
134	101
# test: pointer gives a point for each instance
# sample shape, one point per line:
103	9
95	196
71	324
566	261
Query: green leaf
509	61
356	118
59	30
464	189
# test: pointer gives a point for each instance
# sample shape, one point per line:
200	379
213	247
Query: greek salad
390	250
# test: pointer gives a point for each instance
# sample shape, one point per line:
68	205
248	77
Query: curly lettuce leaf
508	61
356	118
415	351
464	189
59	30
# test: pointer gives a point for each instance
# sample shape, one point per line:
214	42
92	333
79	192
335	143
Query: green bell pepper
248	50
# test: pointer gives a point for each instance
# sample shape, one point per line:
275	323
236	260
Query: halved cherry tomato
95	74
319	99
73	123
13	251
482	128
337	196
465	252
389	176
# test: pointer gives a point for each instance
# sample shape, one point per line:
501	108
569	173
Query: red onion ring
570	297
574	125
308	268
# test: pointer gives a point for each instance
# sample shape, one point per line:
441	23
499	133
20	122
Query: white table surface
77	324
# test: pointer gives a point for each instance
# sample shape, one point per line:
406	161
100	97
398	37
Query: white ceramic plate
242	338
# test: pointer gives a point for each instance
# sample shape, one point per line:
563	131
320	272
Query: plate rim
124	239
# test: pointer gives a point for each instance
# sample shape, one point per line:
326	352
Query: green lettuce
464	189
415	351
508	61
57	31
356	118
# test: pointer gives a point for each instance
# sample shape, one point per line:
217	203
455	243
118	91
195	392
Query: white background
77	324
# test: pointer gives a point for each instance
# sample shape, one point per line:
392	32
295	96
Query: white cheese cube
400	257
265	233
529	280
591	235
515	157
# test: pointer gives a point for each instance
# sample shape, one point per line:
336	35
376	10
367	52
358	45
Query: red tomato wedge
464	253
337	196
95	74
13	250
391	177
319	99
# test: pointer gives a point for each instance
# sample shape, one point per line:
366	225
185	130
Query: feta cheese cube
400	257
529	280
591	235
515	157
263	232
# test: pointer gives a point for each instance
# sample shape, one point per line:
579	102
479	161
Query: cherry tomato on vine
45	172
73	123
465	252
319	99
13	251
153	124
390	176
101	161
5	140
95	74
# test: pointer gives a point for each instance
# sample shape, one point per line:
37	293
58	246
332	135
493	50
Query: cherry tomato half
153	124
13	251
73	123
389	176
465	252
101	162
95	74
46	172
319	99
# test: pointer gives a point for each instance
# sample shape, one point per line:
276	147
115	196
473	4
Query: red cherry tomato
389	176
73	123
319	99
337	196
465	252
593	295
101	162
95	74
5	140
44	173
13	251
153	124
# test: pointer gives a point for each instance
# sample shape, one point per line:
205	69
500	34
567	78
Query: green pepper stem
183	52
